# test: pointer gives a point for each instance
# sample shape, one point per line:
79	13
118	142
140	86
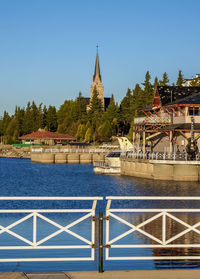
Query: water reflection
150	187
23	178
177	229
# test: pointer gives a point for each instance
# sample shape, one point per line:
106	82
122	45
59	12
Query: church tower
97	81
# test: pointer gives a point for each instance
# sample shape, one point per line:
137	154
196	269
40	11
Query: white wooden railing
37	214
101	164
178	156
152	120
69	150
112	213
157	213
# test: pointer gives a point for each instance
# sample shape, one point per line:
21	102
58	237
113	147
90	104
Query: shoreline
9	151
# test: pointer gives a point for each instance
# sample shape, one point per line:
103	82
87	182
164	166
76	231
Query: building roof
97	68
47	135
174	94
193	99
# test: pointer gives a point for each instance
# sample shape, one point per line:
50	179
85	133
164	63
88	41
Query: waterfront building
98	85
187	82
167	124
46	137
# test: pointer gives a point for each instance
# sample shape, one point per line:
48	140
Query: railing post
100	242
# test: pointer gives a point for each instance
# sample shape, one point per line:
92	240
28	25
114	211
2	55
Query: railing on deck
152	120
36	214
158	156
71	150
163	213
101	164
113	213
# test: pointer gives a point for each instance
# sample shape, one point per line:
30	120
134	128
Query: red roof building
47	137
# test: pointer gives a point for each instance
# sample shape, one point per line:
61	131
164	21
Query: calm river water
20	177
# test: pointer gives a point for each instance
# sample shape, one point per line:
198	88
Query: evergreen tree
40	117
44	117
126	112
80	108
138	100
156	83
95	104
65	116
19	116
28	121
1	127
126	108
165	80
88	135
179	81
52	119
5	122
88	125
61	129
111	111
148	92
80	134
105	131
35	117
95	111
11	129
115	126
130	133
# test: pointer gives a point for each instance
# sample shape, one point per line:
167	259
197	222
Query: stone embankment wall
67	158
9	151
161	170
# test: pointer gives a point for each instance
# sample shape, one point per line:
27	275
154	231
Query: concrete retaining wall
60	158
161	170
73	158
98	157
70	158
45	158
86	158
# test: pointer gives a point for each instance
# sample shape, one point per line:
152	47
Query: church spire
97	68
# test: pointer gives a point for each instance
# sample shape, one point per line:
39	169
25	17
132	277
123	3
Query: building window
196	111
193	111
190	111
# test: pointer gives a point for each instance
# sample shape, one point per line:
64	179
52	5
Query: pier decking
126	274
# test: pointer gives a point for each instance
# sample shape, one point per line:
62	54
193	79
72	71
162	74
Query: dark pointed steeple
97	68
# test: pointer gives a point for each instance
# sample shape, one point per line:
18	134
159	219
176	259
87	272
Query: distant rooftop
47	135
178	94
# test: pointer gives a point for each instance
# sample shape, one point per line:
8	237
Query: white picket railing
101	164
70	150
158	156
36	214
158	213
152	120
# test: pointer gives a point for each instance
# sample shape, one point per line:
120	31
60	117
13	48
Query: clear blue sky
48	47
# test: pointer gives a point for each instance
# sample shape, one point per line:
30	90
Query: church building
97	82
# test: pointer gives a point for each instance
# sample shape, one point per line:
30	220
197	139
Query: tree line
73	117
